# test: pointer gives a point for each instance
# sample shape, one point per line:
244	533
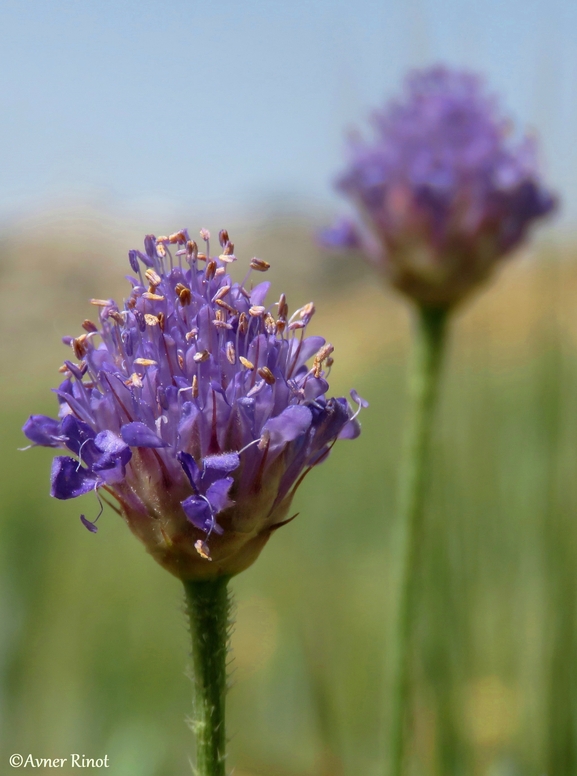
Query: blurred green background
93	643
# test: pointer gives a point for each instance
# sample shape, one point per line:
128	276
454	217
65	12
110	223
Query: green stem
427	354
208	608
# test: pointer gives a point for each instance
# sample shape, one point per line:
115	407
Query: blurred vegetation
93	644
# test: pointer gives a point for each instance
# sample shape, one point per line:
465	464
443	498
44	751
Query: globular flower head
442	190
194	407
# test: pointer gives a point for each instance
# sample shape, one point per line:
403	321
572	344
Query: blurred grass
93	645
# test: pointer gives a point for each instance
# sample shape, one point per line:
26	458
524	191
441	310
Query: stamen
230	353
145	362
245	362
90	327
202	549
259	265
267	375
203	355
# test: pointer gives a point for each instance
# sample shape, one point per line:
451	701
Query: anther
89	326
210	270
101	302
180	361
269	323
226	306
267	375
161	320
230	353
134	380
205	234
191	334
153	297
202	549
259	264
192	249
153	277
222	291
245	362
256	310
79	346
151	320
144	362
177	237
243	323
203	355
223	237
195	387
282	307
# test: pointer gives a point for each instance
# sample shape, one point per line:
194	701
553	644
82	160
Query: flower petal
42	430
139	435
217	494
69	479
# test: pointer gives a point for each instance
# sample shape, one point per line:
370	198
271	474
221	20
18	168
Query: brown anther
152	277
245	362
151	320
223	291
201	256
134	380
330	361
185	297
267	375
116	316
195	387
259	264
177	237
269	323
203	355
282	307
230	353
226	306
162	239
228	258
161	319
228	248
191	334
161	250
210	270
131	303
307	311
192	248
89	326
243	323
180	361
205	234
280	326
202	549
324	352
64	369
223	236
79	346
152	296
144	362
101	302
256	310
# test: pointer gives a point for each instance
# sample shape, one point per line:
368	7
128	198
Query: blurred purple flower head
442	191
194	407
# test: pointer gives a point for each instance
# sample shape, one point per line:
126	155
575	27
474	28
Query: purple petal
190	468
42	430
217	494
197	511
69	479
114	448
290	424
258	293
350	430
139	435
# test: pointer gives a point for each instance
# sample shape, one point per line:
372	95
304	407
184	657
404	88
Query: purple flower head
197	406
442	191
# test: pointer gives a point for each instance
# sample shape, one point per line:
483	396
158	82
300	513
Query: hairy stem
208	608
427	354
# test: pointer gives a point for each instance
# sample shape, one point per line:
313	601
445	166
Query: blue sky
240	105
